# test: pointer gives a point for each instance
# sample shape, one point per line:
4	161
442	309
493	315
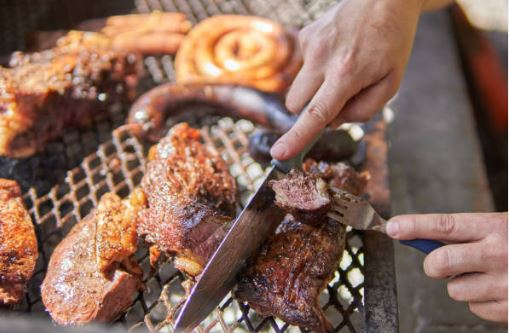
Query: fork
360	214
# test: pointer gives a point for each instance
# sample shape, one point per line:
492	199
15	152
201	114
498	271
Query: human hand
354	58
475	259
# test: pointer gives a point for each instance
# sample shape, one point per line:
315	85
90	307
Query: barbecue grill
65	183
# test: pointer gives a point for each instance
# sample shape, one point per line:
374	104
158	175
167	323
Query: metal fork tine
344	195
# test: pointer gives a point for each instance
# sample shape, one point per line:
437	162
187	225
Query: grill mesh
117	166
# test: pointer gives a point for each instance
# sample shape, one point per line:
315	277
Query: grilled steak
287	276
91	276
18	243
191	199
305	196
41	94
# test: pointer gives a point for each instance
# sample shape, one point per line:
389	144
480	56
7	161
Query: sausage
237	49
149	113
148	34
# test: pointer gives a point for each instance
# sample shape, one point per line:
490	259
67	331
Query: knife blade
256	222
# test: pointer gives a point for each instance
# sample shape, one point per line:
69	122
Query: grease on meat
91	275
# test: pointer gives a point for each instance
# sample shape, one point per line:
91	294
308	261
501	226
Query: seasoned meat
91	276
42	94
18	243
290	271
305	196
191	199
117	237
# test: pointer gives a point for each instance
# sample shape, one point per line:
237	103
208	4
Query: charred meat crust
190	199
287	276
18	243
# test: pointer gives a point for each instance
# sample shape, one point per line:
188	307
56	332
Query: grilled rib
191	199
288	274
18	243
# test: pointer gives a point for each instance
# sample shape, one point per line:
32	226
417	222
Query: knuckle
318	112
445	224
296	135
346	65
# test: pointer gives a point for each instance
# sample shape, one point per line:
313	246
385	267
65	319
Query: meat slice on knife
303	195
190	199
288	274
91	276
18	243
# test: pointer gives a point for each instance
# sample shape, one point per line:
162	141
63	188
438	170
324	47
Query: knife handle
296	162
423	245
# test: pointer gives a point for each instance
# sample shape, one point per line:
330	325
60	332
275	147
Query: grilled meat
18	243
91	275
190	197
42	94
153	33
305	196
287	276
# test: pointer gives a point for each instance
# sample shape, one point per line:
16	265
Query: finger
476	287
455	259
330	98
305	85
447	227
493	310
361	107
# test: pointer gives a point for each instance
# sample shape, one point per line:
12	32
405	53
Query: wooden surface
435	166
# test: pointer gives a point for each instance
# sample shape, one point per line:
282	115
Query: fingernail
278	150
392	228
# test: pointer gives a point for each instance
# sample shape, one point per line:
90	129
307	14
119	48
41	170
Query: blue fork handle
423	245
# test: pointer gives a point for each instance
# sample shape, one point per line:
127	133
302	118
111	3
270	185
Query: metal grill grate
117	166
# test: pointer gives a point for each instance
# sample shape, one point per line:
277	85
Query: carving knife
257	221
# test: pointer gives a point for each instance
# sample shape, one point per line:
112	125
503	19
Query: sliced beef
18	243
303	195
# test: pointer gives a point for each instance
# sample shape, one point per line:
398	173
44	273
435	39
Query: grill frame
380	306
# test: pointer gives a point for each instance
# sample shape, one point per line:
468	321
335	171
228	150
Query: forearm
431	5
